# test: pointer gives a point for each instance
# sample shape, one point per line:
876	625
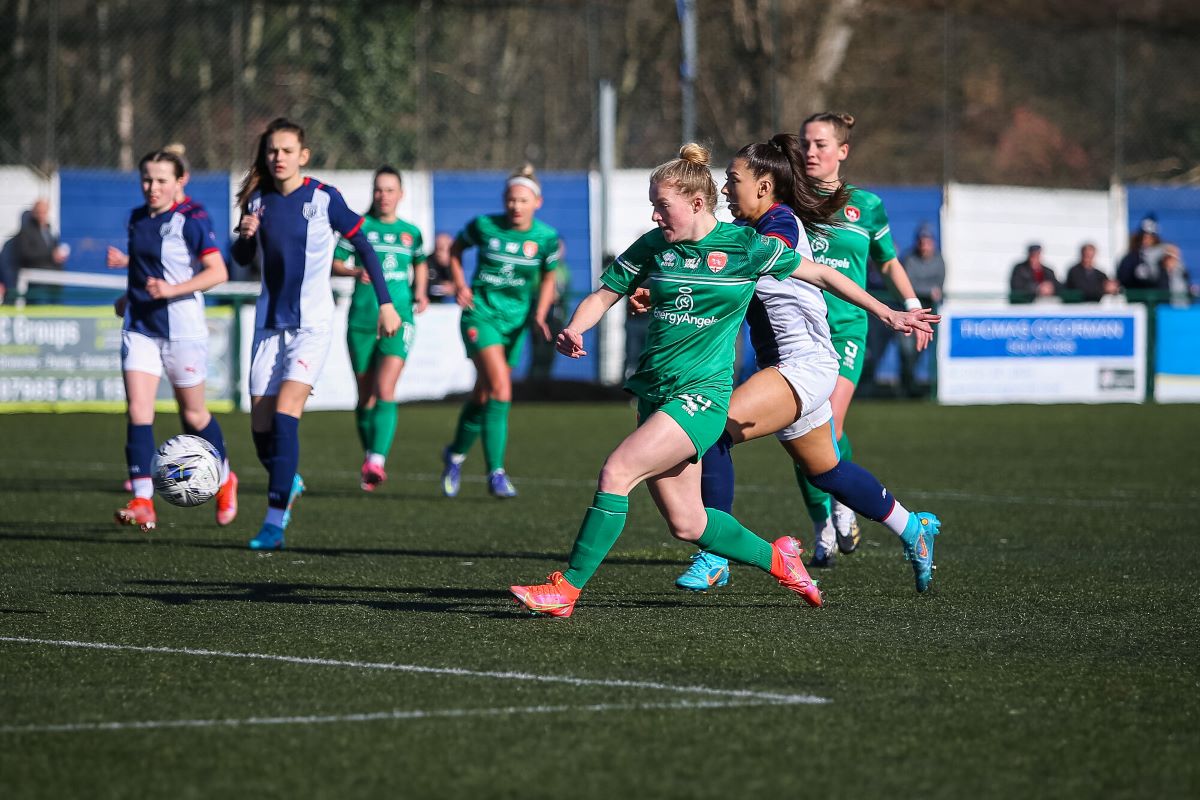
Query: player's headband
531	185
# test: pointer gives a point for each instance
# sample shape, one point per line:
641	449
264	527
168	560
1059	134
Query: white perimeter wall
19	188
986	230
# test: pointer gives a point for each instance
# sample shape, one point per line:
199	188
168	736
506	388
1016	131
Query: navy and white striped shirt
167	246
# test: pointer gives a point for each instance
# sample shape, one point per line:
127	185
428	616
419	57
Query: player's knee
616	477
195	419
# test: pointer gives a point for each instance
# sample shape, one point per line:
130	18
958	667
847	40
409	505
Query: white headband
531	185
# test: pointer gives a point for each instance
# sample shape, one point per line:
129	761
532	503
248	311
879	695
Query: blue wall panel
459	197
1178	211
96	206
908	208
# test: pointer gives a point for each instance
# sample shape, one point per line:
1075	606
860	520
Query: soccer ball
186	471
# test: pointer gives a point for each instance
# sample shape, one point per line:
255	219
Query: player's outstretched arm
589	312
839	285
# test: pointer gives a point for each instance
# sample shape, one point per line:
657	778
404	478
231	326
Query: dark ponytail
783	159
386	169
259	174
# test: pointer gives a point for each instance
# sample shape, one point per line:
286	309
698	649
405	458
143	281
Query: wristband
912	304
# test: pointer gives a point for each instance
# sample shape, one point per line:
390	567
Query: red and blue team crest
406	239
717	261
529	249
853	214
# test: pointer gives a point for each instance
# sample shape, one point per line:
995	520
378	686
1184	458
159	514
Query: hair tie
521	180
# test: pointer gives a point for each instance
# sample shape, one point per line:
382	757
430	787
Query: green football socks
725	536
470	422
383	427
495	433
602	525
362	420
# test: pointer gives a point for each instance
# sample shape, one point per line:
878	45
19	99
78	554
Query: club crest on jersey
164	230
310	211
684	301
853	214
529	249
406	239
717	261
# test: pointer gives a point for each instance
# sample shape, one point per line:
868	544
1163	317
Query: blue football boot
707	571
451	473
269	538
918	545
298	488
500	486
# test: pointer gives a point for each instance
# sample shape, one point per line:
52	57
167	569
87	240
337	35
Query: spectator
1177	275
1088	282
441	284
37	246
1140	268
1031	279
927	271
8	262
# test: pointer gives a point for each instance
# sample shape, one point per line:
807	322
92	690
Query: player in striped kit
862	232
768	189
164	328
296	221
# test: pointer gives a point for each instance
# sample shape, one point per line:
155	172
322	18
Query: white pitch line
741	694
382	716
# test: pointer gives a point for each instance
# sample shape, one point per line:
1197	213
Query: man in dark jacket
1032	279
37	246
1088	282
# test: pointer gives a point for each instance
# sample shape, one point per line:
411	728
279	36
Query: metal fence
1031	96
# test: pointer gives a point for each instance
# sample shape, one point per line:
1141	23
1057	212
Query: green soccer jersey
699	292
860	230
511	265
398	245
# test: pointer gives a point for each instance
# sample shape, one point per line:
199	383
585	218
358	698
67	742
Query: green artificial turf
1055	656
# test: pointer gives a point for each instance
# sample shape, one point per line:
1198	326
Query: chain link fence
985	97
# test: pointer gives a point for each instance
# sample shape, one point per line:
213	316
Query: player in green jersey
701	274
377	363
513	281
861	232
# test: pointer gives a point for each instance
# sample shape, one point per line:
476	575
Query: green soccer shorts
701	414
365	347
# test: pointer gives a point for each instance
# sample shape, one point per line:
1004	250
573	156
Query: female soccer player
862	231
701	274
517	256
768	189
377	363
295	220
164	328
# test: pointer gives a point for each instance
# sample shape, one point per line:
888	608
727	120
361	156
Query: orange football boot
227	500
138	511
789	570
556	598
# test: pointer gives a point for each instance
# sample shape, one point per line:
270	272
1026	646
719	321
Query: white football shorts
812	377
185	361
289	354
